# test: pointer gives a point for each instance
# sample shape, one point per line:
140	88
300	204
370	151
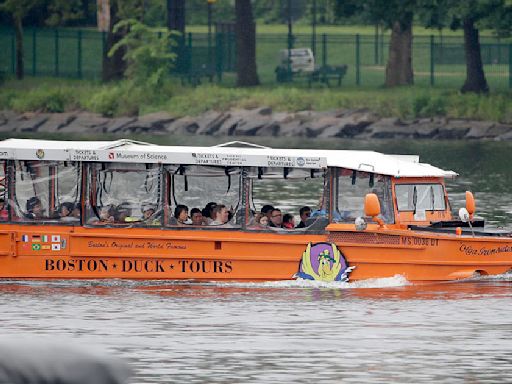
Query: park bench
300	63
328	72
193	75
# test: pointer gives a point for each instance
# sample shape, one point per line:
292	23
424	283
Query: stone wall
357	124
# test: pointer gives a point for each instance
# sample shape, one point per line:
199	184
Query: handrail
242	143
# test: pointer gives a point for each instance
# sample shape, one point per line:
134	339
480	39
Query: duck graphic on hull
323	262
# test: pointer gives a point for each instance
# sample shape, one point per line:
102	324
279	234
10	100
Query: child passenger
288	221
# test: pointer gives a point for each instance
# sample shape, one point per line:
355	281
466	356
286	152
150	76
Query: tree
114	65
176	15
146	50
470	16
245	30
396	15
18	10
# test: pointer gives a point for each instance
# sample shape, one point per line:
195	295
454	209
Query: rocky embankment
357	124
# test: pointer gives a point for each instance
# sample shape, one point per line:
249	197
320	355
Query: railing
437	60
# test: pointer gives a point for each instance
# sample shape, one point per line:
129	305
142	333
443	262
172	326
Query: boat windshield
46	191
420	197
351	189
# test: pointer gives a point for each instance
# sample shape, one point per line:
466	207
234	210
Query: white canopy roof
138	152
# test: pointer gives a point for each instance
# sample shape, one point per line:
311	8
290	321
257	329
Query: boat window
420	197
352	187
288	190
47	191
124	194
212	190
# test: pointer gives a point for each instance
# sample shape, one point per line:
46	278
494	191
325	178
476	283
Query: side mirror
464	215
371	205
372	208
470	204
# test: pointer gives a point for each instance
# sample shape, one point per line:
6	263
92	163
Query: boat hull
55	252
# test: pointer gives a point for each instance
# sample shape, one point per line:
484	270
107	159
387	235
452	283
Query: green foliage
62	11
148	52
128	98
114	100
425	105
45	100
18	8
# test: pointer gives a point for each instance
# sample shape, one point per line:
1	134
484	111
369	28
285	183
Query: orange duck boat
132	210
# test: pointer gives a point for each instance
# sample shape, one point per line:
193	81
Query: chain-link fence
437	60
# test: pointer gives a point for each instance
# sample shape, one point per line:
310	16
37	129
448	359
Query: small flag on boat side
47	247
44	238
24	238
55	247
36	238
36	247
55	238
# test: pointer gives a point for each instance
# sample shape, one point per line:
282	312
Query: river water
377	331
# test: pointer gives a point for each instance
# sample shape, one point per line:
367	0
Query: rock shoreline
353	124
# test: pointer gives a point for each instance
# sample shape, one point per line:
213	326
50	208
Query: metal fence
437	60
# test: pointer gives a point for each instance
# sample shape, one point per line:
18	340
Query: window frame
443	189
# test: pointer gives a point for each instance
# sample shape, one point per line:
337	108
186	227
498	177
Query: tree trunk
245	30
113	67
176	15
475	77
399	66
20	71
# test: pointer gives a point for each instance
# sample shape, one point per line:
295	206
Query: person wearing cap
34	208
148	214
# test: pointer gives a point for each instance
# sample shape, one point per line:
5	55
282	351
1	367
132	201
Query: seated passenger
288	221
208	212
65	210
304	213
221	215
263	221
181	215
4	213
276	218
77	211
123	213
197	216
267	211
34	208
106	214
148	214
